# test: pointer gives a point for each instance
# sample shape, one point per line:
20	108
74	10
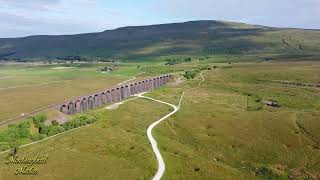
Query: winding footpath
132	78
161	165
202	78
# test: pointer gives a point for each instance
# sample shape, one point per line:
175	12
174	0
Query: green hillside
189	38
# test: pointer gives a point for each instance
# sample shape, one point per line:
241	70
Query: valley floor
223	130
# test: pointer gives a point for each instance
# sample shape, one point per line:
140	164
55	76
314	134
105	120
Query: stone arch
103	98
121	93
78	106
135	87
64	109
150	85
84	102
139	87
126	91
97	100
161	81
91	102
167	79
118	94
113	95
158	82
154	83
109	99
71	108
132	89
147	85
143	86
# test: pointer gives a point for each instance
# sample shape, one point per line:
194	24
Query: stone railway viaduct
85	103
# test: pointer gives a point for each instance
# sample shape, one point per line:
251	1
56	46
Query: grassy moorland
27	88
116	147
225	131
222	131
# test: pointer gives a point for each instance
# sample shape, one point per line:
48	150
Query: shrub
24	129
75	123
83	122
39	119
60	129
34	137
67	126
55	123
43	129
52	130
191	74
42	136
42	118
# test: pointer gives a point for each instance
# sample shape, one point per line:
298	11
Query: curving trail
202	78
132	78
161	165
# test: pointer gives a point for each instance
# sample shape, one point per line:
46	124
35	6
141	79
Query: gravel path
161	165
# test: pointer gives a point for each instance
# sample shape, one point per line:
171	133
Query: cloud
31	17
54	17
283	13
32	4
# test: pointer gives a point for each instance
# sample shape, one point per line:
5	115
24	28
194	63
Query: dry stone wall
113	95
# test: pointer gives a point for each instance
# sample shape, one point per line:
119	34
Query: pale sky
48	17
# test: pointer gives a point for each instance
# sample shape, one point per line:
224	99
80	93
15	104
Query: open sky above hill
22	18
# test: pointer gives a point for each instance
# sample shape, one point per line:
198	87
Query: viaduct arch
116	94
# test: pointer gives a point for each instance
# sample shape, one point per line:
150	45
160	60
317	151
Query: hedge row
17	134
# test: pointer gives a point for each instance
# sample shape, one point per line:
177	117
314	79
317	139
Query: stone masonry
85	103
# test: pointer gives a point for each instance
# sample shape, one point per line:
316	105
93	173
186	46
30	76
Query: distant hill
189	38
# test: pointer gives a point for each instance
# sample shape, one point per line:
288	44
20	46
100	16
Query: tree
24	132
191	74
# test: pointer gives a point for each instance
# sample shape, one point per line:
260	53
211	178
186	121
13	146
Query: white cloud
54	17
284	13
21	17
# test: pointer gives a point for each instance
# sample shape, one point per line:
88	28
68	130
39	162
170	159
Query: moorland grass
220	132
216	136
116	147
27	88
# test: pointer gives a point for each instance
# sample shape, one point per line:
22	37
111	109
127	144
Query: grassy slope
191	38
115	147
214	131
22	89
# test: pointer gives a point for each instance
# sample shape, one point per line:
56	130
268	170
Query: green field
222	131
26	88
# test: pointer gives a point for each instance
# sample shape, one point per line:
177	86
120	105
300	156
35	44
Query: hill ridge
203	37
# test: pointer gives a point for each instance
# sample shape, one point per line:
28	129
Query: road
161	165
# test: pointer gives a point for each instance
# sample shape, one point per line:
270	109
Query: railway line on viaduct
113	95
